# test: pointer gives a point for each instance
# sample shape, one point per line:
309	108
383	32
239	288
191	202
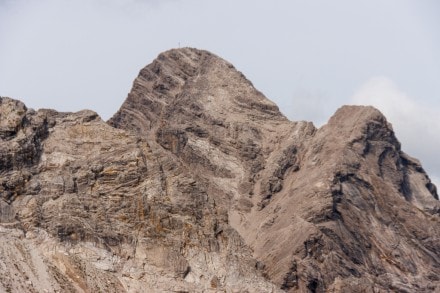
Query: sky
308	56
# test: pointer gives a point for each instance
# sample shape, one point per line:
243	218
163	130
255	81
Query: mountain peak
351	115
193	83
365	123
203	185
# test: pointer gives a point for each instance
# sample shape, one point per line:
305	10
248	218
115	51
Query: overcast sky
310	57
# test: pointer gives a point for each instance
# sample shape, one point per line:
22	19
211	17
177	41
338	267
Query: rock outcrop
199	184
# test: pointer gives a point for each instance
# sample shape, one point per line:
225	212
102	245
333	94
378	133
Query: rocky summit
199	184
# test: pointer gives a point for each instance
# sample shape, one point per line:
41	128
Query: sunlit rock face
199	184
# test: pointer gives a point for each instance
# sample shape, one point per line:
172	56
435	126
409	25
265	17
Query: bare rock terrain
199	184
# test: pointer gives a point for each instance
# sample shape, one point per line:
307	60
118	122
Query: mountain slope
199	183
290	186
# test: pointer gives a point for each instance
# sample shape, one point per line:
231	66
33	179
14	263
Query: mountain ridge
199	183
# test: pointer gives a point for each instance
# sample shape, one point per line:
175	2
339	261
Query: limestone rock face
199	184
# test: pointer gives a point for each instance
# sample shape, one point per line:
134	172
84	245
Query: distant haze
310	57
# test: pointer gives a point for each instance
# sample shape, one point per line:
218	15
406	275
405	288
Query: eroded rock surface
199	184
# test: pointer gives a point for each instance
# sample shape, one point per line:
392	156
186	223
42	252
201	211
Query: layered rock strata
199	184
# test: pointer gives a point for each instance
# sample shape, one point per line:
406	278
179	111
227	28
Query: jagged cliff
199	184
